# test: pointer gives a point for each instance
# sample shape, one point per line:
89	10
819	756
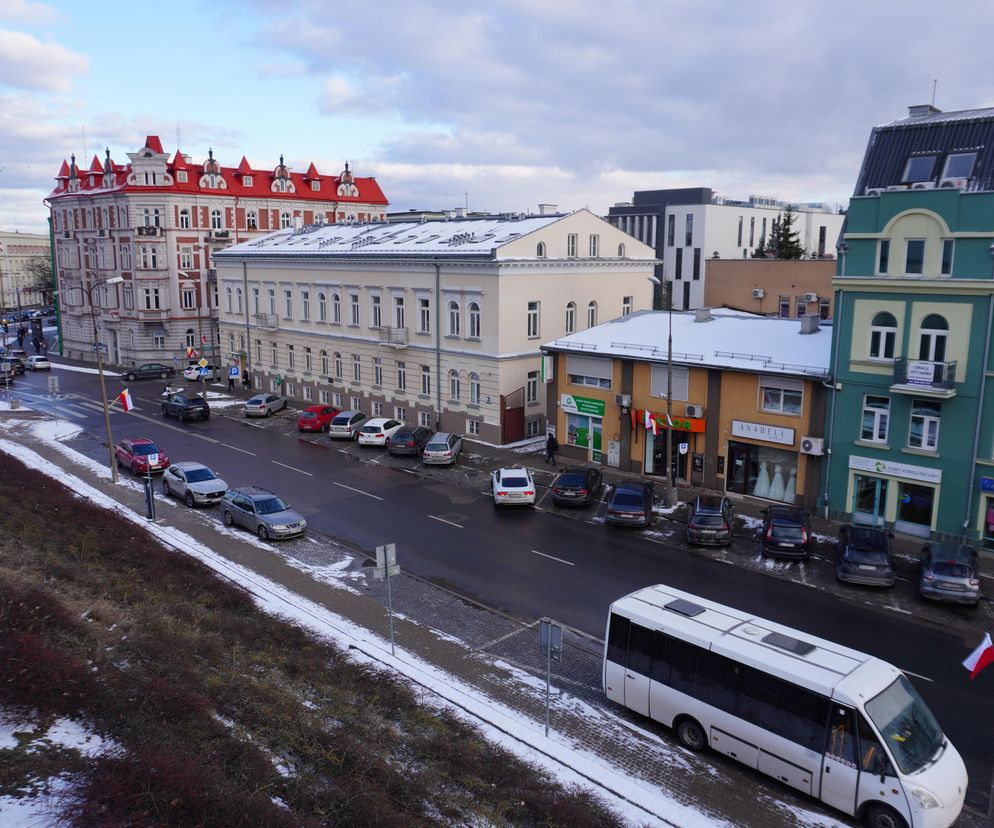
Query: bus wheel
691	735
882	816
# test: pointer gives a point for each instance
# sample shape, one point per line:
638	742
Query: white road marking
292	468
553	557
443	520
243	451
917	675
358	491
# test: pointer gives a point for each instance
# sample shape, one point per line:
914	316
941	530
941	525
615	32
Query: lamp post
88	290
671	498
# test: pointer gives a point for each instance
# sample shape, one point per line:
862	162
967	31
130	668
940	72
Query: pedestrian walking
231	383
551	449
37	345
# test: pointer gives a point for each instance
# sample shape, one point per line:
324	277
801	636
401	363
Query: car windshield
509	482
437	447
199	475
372	429
573	479
270	505
868	539
146	448
627	498
707	520
255	401
909	730
876	557
341	420
952	569
308	415
788	532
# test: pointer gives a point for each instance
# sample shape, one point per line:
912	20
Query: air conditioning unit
623	400
894	187
954	183
696	411
758	293
923	185
810	297
874	191
813	445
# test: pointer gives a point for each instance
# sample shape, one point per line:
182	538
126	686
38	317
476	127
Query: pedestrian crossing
71	407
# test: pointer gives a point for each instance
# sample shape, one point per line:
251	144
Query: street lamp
671	497
88	290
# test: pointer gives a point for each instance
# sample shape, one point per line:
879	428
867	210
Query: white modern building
438	323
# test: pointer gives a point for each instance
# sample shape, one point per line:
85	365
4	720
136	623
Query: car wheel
165	487
228	519
164	412
882	816
189	499
691	735
131	377
263	532
181	416
325	428
207	415
163	375
269	412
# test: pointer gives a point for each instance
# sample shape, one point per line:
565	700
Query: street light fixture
671	496
88	290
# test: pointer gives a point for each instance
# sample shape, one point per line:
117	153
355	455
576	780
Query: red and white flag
124	398
650	422
980	658
669	421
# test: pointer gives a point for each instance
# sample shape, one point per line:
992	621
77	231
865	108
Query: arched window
932	340
231	342
540	250
319	219
336	309
191	338
184	219
571	317
474	320
883	335
338	365
591	314
285	220
216	223
621	251
238	300
474	389
453	308
322	308
454	388
227	300
324	363
252	220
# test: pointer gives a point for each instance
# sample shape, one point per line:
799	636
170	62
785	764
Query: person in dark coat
551	449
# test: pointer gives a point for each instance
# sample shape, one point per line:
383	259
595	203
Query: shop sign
908	472
987	484
761	431
921	373
692	424
573	404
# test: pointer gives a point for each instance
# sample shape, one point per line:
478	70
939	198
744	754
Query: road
530	563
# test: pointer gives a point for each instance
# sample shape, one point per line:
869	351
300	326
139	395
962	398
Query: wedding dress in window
762	487
777	485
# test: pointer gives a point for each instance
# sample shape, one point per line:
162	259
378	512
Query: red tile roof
154	144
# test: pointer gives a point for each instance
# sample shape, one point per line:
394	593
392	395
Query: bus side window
841	739
617	639
872	758
661	645
639	650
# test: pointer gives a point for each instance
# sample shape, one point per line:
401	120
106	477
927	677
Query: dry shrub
41	677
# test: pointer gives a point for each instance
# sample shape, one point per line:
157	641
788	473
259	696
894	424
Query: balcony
148	230
393	337
922	378
266	321
217	235
145	315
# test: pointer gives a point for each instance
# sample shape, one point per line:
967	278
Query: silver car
264	405
193	483
949	573
262	512
442	449
345	425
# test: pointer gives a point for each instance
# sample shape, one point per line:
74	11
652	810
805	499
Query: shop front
762	461
584	424
684	443
987	511
897	493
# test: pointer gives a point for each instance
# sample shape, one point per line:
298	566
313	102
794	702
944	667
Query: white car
377	431
195	373
512	487
38	363
194	483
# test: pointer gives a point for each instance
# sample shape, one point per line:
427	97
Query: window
626	305
919	168
533	426
474	389
377	371
533	320
531	388
356	368
670	230
401	376
306	392
883	334
149	256
376	409
959	165
474	320
924	431
258	347
184	219
783	305
697	263
308	360
339	400
425	380
540	250
678	265
946	268
591	314
424	316
595	245
781	394
159	342
305	306
324	363
322	308
188	298
824	306
181	176
323	397
621	251
932	341
290	353
473	427
571	242
399	318
376	320
315	186
274	354
336	309
801	305
822	238
354	309
424	419
454	386
914	260
739	242
216	223
255	300
883	256
876	416
400	413
752	231
570	317
191	338
287	304
355	403
151	298
272	301
689	230
338	365
285	220
453	315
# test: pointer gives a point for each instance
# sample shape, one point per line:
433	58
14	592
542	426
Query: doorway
869	499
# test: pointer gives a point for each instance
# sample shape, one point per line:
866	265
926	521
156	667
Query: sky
497	105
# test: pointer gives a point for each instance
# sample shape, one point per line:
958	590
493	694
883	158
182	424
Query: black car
577	487
865	556
185	406
149	370
630	503
14	364
710	521
409	439
785	533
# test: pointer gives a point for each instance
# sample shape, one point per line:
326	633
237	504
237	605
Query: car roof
318	407
786	512
441	436
632	485
188	465
710	503
348	412
513	470
376	421
140	441
953	551
257	397
252	491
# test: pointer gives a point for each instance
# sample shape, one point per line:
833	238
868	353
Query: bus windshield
909	729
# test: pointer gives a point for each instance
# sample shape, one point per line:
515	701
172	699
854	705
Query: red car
141	456
316	418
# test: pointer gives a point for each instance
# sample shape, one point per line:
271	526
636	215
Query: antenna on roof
935	83
84	140
178	145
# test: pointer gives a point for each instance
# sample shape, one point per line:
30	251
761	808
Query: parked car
194	373
710	521
6	374
17	353
785	533
378	431
512	487
316	418
345	425
194	483
865	556
186	406
262	512
263	405
38	363
577	487
949	573
149	370
410	439
141	456
630	503
14	364
442	449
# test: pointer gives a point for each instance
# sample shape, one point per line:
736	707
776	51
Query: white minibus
837	724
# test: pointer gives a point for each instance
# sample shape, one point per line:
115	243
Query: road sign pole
550	637
548	686
390	612
386	565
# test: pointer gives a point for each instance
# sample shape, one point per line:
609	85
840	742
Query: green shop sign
572	404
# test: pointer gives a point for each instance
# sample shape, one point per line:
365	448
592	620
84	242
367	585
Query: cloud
28	63
23	11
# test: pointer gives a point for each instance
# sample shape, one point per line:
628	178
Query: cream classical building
438	322
23	259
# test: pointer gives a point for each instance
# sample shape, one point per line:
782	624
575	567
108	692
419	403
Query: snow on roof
458	238
738	341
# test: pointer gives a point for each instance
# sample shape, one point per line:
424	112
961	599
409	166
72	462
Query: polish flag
650	423
125	399
669	421
980	658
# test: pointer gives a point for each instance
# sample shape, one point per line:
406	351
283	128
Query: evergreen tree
784	242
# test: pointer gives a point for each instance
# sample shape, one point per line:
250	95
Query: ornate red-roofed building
157	222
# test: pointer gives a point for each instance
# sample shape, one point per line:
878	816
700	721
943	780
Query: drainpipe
438	348
976	428
831	411
248	337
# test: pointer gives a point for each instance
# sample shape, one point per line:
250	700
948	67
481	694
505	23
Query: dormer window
246	180
315	186
959	165
181	176
919	168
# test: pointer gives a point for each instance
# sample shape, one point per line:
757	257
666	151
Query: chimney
810	323
921	110
548	209
459	212
702	315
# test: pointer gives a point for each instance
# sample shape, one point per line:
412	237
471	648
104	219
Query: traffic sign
202	363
